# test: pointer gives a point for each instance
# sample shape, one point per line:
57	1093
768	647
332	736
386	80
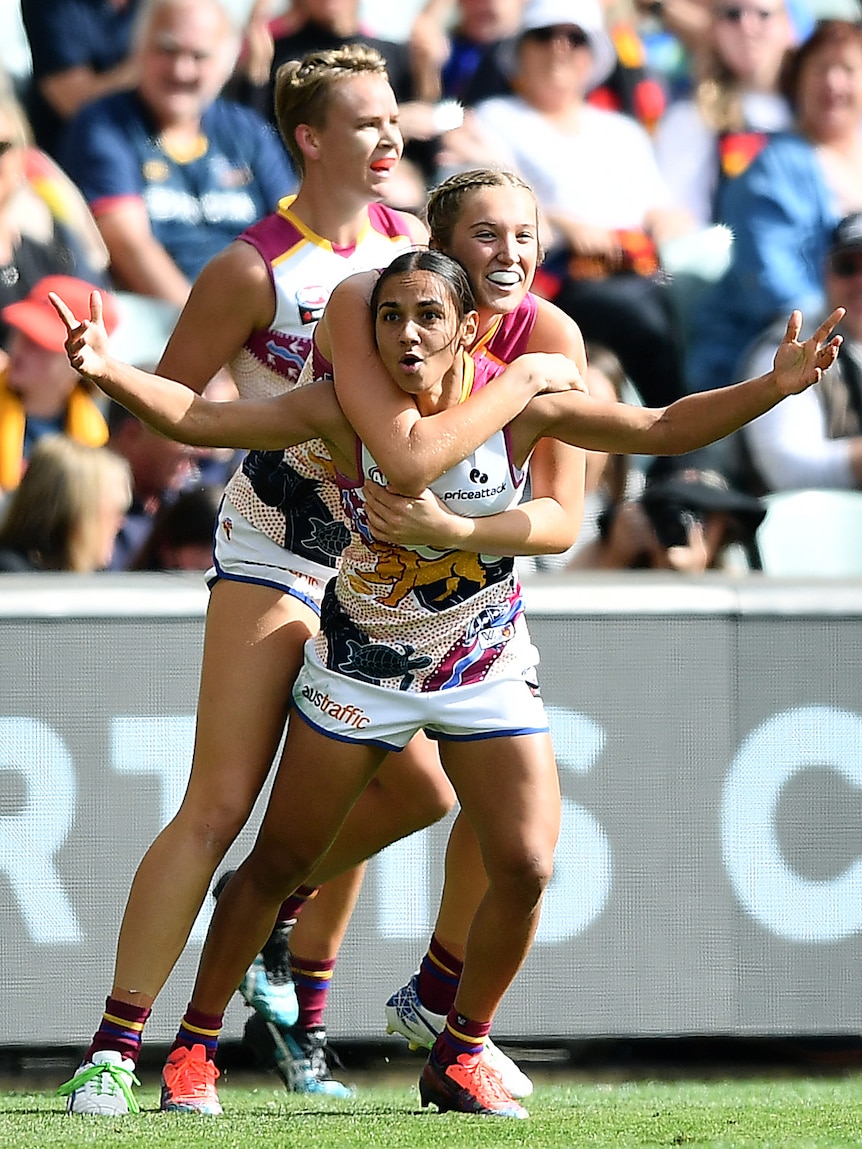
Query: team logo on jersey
310	302
477	476
494	625
227	527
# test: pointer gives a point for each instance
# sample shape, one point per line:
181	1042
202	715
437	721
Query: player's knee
214	827
523	873
278	866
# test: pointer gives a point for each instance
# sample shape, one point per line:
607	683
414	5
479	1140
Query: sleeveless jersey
417	618
508	335
291	496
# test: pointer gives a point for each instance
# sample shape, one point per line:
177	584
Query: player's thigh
317	782
414	782
509	790
253	649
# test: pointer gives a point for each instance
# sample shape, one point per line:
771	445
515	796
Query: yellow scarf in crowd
84	423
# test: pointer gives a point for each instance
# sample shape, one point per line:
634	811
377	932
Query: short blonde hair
303	88
53	516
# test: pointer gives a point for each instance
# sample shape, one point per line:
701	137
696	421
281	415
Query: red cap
36	317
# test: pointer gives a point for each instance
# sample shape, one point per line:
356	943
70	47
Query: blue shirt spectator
784	208
80	50
197	206
782	214
171	170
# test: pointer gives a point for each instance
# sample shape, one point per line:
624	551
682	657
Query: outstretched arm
691	422
412	450
179	413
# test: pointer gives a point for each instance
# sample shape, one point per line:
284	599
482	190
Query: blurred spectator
597	182
815	439
181	535
316	25
45	227
40	393
671	32
319	25
80	53
687	519
173	172
469	62
160	468
634	86
16	64
65	514
477	60
736	105
783	209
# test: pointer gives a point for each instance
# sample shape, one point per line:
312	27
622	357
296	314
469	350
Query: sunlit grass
792	1113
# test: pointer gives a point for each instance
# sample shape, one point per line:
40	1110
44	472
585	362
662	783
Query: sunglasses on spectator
577	37
735	15
846	266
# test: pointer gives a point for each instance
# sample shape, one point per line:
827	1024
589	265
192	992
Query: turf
792	1113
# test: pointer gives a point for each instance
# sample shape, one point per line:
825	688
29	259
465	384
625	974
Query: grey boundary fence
709	872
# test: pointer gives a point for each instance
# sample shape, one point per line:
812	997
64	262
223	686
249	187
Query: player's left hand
798	365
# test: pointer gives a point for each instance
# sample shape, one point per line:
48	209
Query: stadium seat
815	532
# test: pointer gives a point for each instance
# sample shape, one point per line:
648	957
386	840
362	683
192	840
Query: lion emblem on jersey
437	583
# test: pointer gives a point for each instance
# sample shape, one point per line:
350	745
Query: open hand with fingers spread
87	339
799	365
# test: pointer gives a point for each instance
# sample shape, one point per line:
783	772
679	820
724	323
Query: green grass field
790	1113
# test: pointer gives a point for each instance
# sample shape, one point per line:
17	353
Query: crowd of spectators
134	150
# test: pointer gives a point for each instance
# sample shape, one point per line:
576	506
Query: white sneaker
514	1079
102	1086
407	1016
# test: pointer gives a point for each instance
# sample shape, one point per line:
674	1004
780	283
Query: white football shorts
245	554
350	710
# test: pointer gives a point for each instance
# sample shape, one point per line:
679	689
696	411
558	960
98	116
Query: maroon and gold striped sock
311	980
198	1028
121	1028
458	1036
439	974
292	906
